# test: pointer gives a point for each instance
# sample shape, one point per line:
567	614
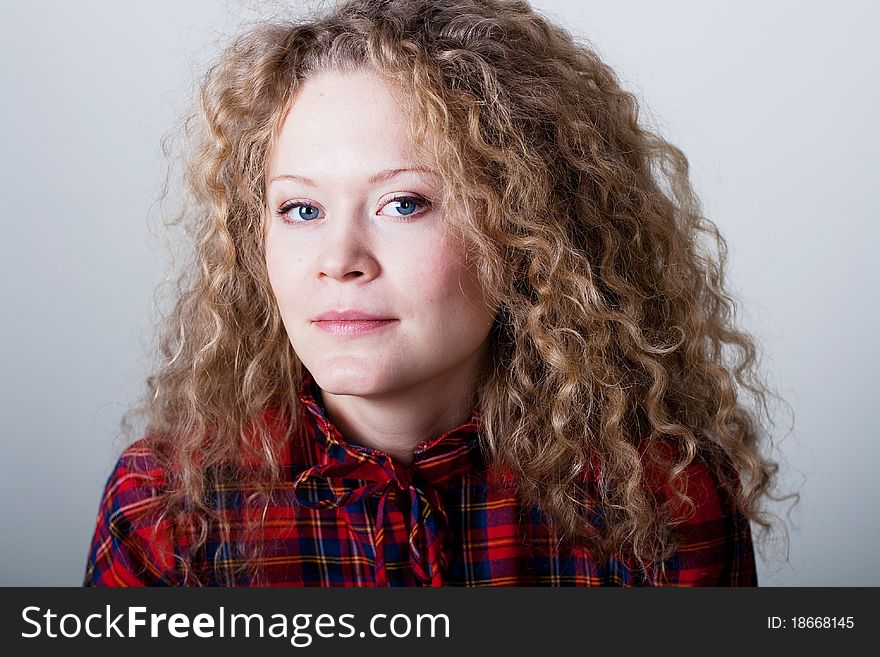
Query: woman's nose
346	252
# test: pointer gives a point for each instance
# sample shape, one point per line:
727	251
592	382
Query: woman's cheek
440	270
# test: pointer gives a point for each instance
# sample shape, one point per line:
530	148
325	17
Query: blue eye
307	212
406	205
304	212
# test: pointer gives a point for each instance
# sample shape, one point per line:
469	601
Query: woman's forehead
345	123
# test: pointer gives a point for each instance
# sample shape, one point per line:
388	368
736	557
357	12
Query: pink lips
351	322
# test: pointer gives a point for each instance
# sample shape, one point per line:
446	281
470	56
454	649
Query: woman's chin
352	380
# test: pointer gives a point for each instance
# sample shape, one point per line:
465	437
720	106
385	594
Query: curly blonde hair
615	350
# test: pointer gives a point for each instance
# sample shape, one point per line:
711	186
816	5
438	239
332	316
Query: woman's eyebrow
379	176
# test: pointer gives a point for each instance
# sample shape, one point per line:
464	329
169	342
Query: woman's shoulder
139	466
132	544
137	480
708	481
713	537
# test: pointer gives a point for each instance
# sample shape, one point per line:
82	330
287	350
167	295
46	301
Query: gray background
774	104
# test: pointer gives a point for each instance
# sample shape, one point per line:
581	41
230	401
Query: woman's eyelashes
298	211
405	206
401	206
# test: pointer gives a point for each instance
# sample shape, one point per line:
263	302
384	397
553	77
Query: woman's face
354	225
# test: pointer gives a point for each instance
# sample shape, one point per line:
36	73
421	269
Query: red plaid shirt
349	515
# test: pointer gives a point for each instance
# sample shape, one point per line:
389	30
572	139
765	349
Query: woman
451	321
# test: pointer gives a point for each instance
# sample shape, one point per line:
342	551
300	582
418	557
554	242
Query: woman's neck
396	422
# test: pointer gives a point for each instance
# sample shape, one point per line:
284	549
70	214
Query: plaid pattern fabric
351	516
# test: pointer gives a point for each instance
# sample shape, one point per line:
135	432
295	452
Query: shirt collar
435	459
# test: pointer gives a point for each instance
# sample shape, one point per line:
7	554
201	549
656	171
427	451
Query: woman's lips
353	326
